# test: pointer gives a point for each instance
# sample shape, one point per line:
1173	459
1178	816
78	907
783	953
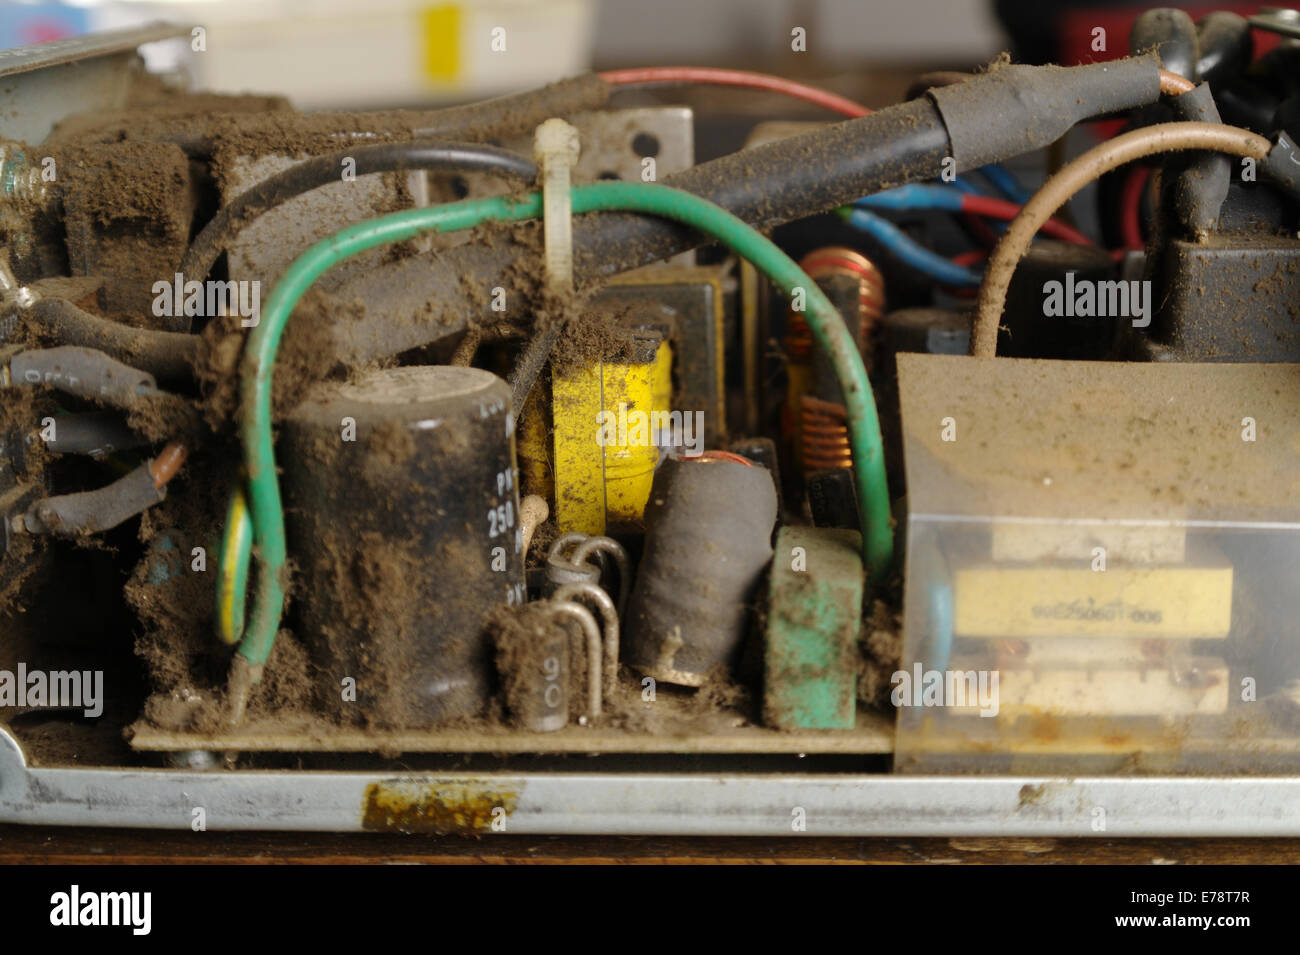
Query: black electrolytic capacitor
403	519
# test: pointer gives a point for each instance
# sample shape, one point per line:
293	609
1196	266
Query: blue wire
1002	179
946	197
907	251
942	195
917	195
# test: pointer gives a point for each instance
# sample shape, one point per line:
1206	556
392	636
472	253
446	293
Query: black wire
167	355
89	512
84	372
94	432
322	170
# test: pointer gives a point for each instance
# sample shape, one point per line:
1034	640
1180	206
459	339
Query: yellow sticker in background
442	42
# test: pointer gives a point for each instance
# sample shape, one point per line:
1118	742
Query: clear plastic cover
1103	567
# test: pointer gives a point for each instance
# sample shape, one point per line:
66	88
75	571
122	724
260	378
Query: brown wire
1171	84
169	460
1161	138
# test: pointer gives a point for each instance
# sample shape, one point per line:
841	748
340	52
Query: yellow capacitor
604	419
534	446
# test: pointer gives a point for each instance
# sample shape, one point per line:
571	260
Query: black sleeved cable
1226	46
319	171
1196	183
1283	164
989	118
84	372
1171	35
766	186
1017	109
776	183
89	512
167	355
96	433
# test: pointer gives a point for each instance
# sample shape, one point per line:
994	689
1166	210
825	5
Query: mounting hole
459	187
645	144
609	174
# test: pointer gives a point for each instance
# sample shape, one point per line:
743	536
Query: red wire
977	205
1002	209
970	257
718	77
1130	204
980	229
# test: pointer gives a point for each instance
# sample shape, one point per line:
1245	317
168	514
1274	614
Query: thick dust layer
154	170
881	646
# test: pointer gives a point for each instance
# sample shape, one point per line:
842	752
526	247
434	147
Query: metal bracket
46	82
647	804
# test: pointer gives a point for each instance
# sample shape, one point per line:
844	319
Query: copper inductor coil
838	260
824	435
823	432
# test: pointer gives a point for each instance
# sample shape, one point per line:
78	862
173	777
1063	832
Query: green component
814	610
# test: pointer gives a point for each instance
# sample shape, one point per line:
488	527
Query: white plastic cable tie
556	149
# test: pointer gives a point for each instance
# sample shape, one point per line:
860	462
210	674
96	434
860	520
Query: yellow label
1187	602
442	41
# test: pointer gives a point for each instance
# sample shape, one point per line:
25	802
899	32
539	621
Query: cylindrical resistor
708	540
402	500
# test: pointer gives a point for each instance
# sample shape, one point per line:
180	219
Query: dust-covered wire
309	174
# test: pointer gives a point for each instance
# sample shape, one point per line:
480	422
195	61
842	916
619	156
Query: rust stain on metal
1031	795
399	805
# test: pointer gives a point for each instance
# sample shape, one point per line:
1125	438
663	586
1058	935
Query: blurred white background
367	52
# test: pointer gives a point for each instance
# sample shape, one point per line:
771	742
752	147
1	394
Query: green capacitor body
814	612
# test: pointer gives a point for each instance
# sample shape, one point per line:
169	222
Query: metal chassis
646	803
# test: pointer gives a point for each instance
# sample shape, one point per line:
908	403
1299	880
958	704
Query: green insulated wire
267	513
255	386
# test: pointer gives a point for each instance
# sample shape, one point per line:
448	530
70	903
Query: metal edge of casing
647	803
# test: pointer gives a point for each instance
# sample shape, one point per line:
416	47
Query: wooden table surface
29	845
